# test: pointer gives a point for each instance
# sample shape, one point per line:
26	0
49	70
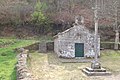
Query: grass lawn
48	67
8	57
111	60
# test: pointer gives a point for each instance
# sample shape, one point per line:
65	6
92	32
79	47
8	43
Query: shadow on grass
13	76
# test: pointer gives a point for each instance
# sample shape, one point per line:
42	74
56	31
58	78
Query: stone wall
50	46
108	46
34	46
42	47
22	69
64	42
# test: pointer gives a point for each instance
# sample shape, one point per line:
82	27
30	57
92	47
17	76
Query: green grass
8	57
6	42
110	59
49	67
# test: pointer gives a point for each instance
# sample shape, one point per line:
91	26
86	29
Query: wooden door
79	49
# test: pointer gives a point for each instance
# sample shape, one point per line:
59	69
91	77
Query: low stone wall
22	69
50	46
41	47
34	46
108	46
46	47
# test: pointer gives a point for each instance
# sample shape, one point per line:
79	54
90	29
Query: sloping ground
8	57
48	67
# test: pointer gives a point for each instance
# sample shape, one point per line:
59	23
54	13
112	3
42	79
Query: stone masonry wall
65	42
22	69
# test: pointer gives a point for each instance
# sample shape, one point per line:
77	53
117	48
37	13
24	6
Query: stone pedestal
95	65
42	47
96	72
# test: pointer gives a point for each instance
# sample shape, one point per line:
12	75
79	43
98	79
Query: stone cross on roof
77	20
82	20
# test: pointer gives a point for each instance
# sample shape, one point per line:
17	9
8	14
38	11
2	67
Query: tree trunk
116	45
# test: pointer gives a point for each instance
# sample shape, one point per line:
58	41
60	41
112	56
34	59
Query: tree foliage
42	12
38	16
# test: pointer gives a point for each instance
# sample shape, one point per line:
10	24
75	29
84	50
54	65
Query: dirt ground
47	66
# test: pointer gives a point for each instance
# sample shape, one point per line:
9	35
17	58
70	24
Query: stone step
96	73
95	70
75	60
